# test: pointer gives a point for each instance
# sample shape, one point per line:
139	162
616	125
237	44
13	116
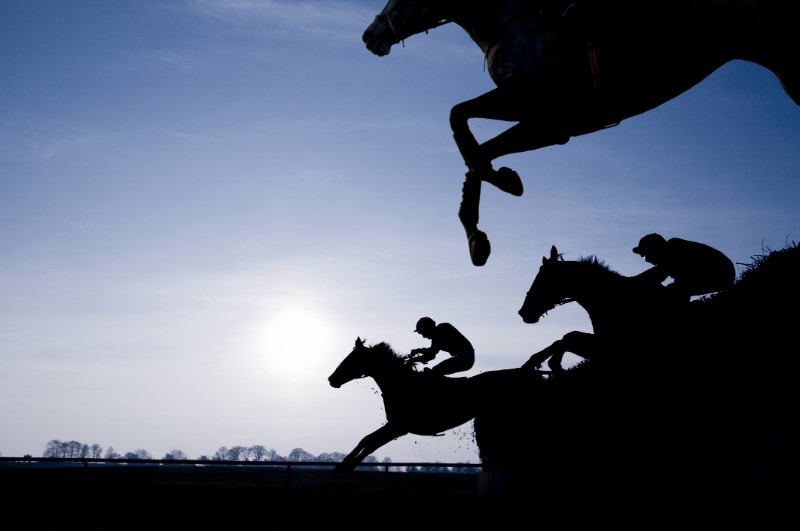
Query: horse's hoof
509	181
479	248
505	179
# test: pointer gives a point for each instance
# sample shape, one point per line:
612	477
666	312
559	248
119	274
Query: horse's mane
598	263
385	349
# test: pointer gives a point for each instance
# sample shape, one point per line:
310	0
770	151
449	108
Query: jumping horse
626	313
567	68
420	402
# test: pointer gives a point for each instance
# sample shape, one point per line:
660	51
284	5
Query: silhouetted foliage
334	457
66	449
175	455
138	454
257	452
701	407
111	453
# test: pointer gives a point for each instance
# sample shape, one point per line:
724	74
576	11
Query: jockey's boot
505	179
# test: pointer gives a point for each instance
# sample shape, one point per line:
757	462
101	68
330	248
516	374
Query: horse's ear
553	253
359	342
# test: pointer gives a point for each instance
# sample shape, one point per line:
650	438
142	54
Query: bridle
386	19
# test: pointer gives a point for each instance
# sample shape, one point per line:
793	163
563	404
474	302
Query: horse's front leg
479	246
479	168
383	435
582	344
552	354
497	104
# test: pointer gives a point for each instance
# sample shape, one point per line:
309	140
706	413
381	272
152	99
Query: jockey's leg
459	363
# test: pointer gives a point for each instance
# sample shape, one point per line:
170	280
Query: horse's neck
599	291
616	303
391	381
485	21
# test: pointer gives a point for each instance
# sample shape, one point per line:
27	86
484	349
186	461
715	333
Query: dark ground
103	497
150	497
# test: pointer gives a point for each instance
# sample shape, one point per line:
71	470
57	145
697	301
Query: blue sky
204	202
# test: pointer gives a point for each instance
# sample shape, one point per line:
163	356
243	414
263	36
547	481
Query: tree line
254	453
257	452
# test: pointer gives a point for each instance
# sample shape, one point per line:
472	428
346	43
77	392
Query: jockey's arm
655	275
426	354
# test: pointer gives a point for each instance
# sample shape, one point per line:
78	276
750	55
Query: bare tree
53	449
237	453
176	455
298	454
221	454
73	449
257	452
272	455
334	457
112	454
95	451
137	454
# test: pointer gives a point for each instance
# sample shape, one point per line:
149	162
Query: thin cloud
21	147
334	20
176	59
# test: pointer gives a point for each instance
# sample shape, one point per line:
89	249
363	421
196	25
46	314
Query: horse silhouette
564	69
420	402
625	312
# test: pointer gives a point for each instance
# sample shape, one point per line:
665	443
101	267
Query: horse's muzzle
527	318
376	37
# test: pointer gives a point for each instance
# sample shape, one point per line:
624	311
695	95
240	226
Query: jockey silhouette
444	337
696	268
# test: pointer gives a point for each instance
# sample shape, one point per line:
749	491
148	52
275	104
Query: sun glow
294	342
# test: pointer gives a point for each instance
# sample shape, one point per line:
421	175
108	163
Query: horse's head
352	367
547	290
403	18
